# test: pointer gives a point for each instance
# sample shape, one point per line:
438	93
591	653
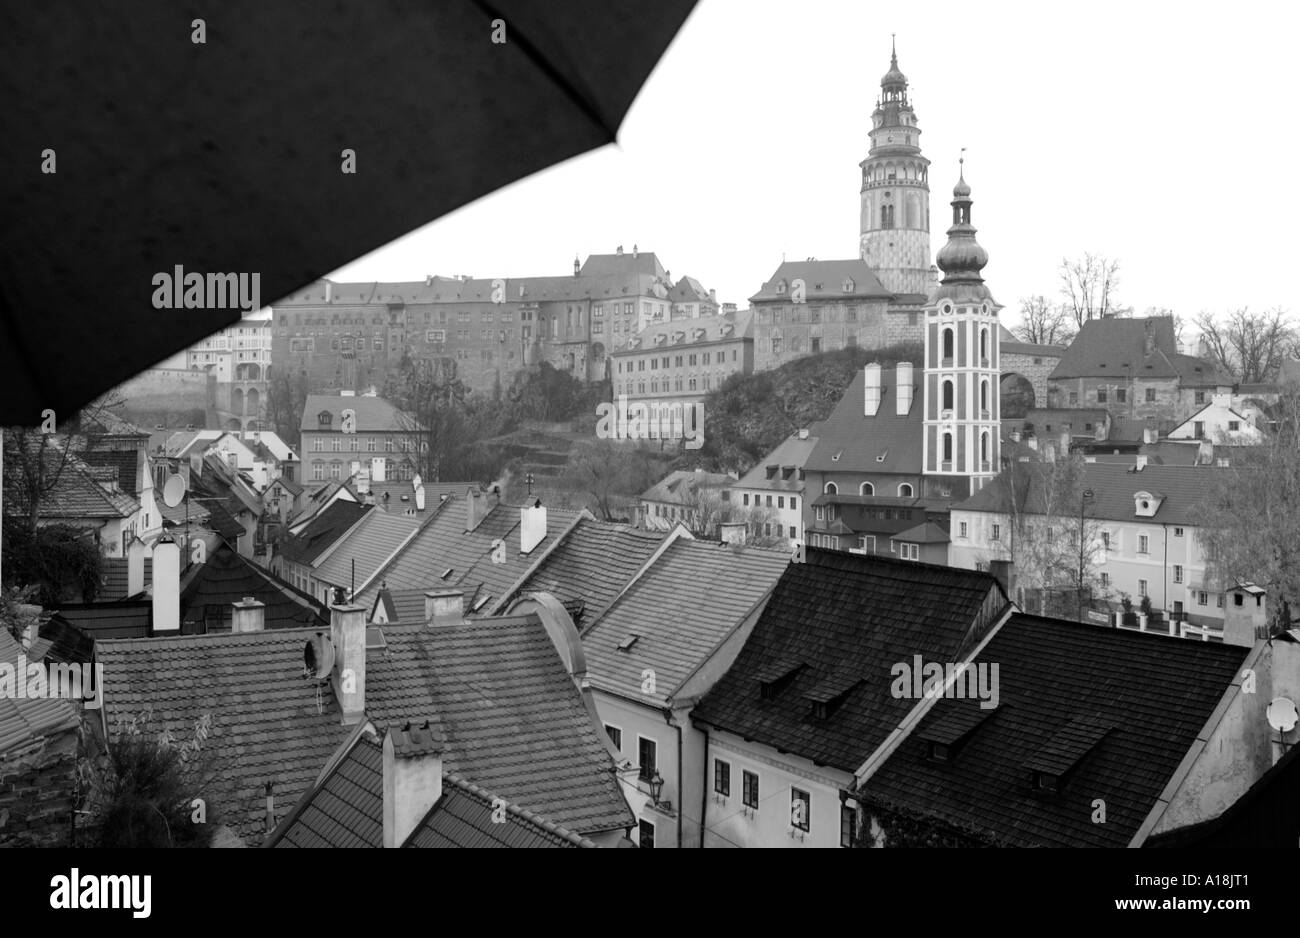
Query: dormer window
1045	782
780	286
1146	504
938	752
847	285
324	418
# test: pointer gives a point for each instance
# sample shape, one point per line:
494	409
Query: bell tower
895	223
961	361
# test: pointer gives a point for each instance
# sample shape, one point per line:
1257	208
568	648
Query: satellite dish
174	491
1282	714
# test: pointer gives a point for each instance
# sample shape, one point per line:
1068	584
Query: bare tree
1250	515
1046	515
706	507
610	473
1249	346
1042	323
1088	285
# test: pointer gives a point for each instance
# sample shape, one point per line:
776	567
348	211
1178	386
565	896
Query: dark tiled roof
1113	487
847	618
75	494
1121	708
226	578
1116	348
680	333
405	606
74	628
219	518
824	280
792	453
369	544
860	440
26	719
125	464
681	609
593	564
463	818
925	533
510	712
621	265
114	575
290	486
322	531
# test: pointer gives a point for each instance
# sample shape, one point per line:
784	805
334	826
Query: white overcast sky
1163	134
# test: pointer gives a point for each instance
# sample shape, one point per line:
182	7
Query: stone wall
1035	365
37	792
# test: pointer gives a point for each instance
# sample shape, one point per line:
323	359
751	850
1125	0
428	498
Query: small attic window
882	456
481	603
375	640
627	643
324	418
1045	782
937	752
780	286
847	285
772	471
446	573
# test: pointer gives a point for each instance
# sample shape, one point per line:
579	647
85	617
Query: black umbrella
226	156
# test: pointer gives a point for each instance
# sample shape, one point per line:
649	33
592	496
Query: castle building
895	236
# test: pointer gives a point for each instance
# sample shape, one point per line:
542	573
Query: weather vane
961	161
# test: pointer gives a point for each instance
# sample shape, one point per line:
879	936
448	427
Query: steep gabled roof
24	720
850	618
374	414
824	280
345	809
885	443
790	454
322	531
690	599
369	543
1117	348
507	706
226	577
1110	712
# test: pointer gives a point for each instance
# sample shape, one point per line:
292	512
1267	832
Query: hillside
750	415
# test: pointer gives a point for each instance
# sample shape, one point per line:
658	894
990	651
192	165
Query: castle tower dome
894	235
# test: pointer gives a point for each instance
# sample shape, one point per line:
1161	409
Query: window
1105	540
997	533
1178	532
867	543
722	777
947	345
866	488
909	551
1202	599
749	789
1234	426
794	502
647	834
1237	599
848	826
1151	395
615	736
904	490
1101	395
800	806
745	499
1218	601
1142	587
1144	544
1178	573
1105	581
961	529
1121	395
831	489
647	754
1074	397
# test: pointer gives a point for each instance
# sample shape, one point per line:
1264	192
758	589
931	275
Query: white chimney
248	615
166	586
872	402
473	510
803	433
532	527
1150	435
135	567
419	498
329	292
412	779
348	636
903	371
444	606
1015	436
1141	463
1032	442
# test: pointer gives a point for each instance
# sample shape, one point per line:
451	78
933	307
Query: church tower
895	239
961	363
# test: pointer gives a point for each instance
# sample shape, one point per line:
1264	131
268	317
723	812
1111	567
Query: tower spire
893	50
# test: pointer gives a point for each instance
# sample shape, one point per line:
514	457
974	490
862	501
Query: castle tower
895	238
961	361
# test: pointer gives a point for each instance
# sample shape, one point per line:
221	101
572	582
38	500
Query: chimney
532	527
1141	462
576	265
329	292
348	636
444	606
1032	442
803	433
634	252
248	615
619	252
412	779
732	532
135	567
428	280
713	296
1150	435
419	498
166	586
903	371
1015	435
473	510
872	402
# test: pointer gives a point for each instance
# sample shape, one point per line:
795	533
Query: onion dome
962	258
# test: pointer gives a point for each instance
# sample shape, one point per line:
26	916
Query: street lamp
656	787
1086	497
